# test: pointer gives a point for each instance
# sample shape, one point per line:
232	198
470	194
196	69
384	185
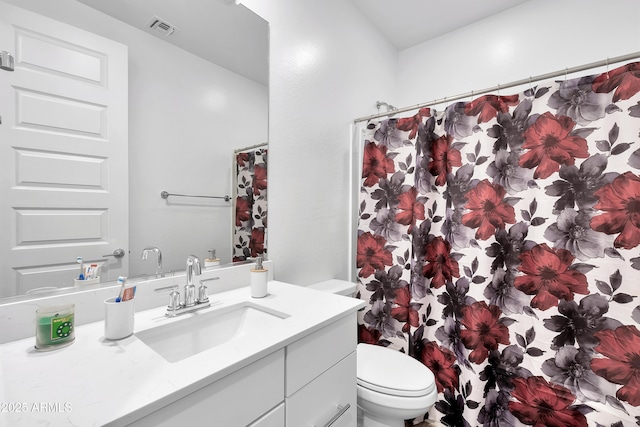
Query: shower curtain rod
251	147
473	93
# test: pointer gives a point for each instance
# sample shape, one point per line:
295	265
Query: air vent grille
161	26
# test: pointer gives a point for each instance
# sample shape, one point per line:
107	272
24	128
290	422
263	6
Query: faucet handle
203	298
174	300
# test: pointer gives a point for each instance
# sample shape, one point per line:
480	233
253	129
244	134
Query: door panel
63	153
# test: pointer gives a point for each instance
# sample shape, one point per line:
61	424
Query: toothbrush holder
118	318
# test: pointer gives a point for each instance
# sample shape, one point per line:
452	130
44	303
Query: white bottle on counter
258	279
212	261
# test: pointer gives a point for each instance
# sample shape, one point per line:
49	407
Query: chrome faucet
193	267
191	302
145	253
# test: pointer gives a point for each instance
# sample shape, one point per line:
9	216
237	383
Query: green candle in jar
54	326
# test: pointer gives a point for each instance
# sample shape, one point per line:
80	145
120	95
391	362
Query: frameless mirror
195	85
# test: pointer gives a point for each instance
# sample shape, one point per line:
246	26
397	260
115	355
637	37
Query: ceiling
221	32
406	23
235	38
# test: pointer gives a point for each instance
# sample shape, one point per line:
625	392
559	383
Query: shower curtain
499	244
250	231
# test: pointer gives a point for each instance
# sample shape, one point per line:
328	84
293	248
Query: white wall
186	116
327	67
535	38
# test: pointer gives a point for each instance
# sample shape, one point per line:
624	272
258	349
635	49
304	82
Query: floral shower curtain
499	244
250	232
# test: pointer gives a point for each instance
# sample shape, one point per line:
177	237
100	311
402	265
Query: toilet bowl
392	387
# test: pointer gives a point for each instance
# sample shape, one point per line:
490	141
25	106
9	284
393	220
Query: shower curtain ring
566	71
607	64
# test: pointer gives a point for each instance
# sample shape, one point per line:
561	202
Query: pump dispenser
258	279
212	261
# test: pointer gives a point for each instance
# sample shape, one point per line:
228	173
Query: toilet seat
375	371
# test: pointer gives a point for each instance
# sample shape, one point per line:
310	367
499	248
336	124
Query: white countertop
95	382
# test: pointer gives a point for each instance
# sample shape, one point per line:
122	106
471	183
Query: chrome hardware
341	410
6	61
189	295
145	253
167	288
174	301
203	298
166	195
118	253
191	303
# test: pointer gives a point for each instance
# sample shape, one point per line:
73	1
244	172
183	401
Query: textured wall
537	37
328	66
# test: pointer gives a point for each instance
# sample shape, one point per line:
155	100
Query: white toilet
392	387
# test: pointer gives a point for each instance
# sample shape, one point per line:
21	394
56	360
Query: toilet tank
335	286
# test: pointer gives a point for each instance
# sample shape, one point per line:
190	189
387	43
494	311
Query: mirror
194	98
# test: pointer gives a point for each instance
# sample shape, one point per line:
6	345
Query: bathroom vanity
287	360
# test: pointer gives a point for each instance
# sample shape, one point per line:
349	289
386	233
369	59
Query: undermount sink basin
200	331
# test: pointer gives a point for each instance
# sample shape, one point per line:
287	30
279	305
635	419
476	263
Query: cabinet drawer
235	400
310	356
273	418
319	401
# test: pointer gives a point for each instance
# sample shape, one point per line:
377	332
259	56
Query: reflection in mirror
182	115
250	196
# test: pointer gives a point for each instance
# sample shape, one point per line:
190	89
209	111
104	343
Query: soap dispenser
258	279
212	261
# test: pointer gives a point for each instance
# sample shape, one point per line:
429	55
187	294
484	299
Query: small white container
78	282
212	261
118	318
258	280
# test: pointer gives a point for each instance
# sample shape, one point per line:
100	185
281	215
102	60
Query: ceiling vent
161	26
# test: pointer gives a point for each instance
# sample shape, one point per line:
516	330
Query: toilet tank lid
392	372
335	286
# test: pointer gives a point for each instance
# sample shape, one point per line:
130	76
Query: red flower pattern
620	200
368	335
483	330
259	179
372	254
413	123
625	79
242	158
405	311
439	267
376	165
442	362
622	366
463	336
489	212
443	158
548	276
243	210
256	244
543	404
486	107
551	144
409	209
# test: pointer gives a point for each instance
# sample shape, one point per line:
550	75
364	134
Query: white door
63	153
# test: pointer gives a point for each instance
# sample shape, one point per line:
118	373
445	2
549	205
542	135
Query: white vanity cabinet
311	382
245	397
320	381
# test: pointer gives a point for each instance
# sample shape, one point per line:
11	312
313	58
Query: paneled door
63	153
